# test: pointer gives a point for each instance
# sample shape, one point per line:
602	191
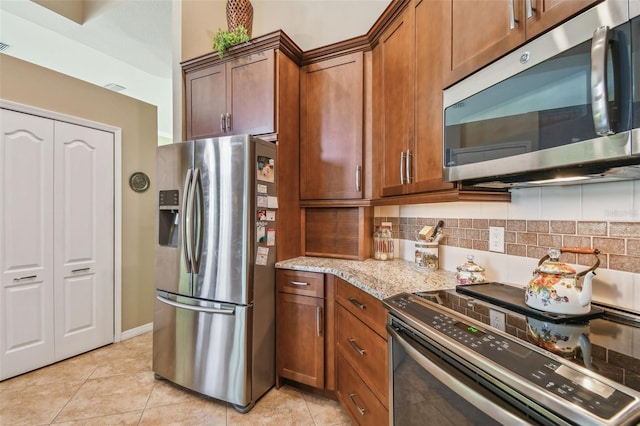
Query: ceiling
129	42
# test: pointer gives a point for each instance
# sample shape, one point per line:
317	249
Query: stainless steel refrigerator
213	325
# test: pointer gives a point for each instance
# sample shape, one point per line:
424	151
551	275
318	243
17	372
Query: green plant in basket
225	39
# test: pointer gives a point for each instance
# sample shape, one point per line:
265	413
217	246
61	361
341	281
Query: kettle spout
585	294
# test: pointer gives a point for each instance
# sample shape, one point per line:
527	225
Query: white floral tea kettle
555	285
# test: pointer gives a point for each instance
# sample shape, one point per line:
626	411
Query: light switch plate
496	319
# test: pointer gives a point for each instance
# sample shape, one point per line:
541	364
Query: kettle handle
580	250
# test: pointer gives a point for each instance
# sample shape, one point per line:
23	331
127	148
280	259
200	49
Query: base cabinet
304	329
362	358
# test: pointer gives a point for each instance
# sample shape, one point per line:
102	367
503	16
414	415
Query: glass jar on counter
427	255
383	243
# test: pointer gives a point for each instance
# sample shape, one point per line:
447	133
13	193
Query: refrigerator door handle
183	224
224	311
196	228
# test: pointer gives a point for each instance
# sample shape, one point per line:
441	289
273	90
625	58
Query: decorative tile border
618	242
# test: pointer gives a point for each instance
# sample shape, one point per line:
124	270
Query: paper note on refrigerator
272	202
262	256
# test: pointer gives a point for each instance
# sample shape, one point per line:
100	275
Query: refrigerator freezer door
174	165
204	346
226	169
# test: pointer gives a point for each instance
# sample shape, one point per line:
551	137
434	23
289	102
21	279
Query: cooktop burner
513	298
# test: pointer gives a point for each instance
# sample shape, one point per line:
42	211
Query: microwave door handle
464	391
599	95
183	225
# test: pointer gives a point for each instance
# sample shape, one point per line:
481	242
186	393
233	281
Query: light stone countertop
379	278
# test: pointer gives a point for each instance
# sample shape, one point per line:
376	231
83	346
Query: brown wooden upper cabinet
482	31
233	97
408	64
331	129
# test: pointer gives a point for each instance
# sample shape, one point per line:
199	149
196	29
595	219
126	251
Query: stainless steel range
448	365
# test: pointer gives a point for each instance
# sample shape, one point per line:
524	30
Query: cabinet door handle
408	166
222	123
227	122
355	347
358	177
512	15
319	321
358	304
25	278
358	407
298	283
80	270
402	163
530	8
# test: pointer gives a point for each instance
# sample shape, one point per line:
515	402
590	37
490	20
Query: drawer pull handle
358	304
80	270
299	283
355	347
25	278
358	407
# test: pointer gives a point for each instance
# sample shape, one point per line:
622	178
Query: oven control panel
543	371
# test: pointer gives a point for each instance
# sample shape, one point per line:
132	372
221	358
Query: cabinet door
84	229
482	31
251	94
300	343
397	101
432	48
205	92
26	237
544	14
331	114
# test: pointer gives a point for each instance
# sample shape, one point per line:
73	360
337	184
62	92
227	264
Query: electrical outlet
496	239
496	319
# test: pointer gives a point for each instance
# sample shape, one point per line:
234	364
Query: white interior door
26	236
84	235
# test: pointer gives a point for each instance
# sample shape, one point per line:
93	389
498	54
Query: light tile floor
114	385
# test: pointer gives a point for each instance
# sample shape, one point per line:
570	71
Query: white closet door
84	235
26	249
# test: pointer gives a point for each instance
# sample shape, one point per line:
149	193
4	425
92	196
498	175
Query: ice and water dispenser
169	214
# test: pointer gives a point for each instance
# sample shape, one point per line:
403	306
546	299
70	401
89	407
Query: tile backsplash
605	216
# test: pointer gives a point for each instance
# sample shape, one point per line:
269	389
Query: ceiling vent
3	46
114	87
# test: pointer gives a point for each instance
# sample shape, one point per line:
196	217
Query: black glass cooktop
512	298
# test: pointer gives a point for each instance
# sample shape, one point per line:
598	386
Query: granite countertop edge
381	279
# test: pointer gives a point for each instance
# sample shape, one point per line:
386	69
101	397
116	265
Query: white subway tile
525	204
560	202
611	201
613	287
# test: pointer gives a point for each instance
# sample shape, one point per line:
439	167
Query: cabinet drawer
365	351
364	306
363	406
302	283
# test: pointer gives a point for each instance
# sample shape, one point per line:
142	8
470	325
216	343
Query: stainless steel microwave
562	108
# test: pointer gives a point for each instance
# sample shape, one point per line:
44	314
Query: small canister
470	272
427	256
383	244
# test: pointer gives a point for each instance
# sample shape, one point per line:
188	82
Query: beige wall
32	85
341	20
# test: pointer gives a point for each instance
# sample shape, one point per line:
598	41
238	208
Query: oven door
427	383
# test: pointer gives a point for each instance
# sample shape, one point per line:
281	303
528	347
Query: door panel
225	166
210	352
206	102
173	163
250	93
331	122
26	235
83	239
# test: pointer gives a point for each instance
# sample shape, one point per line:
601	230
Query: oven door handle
461	389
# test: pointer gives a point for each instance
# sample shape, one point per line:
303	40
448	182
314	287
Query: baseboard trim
133	332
